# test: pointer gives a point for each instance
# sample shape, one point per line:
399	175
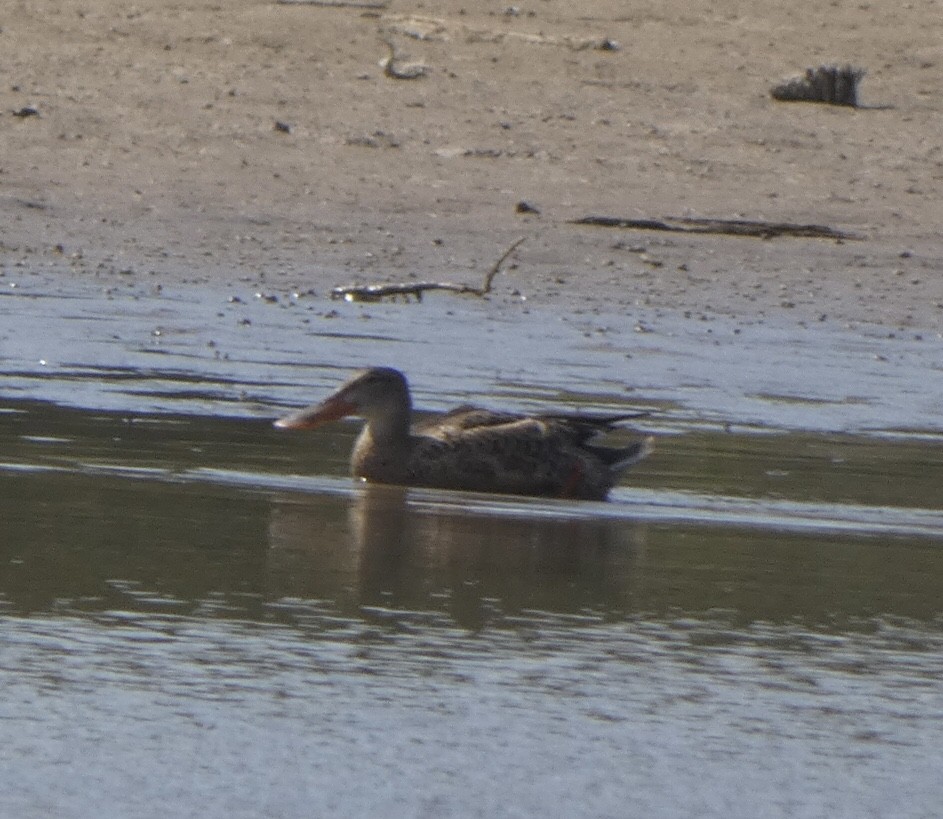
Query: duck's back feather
476	449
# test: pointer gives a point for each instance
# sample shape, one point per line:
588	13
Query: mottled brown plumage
470	448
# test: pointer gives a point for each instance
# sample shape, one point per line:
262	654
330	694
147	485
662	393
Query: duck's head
379	393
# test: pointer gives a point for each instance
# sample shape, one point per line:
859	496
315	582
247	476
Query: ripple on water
554	714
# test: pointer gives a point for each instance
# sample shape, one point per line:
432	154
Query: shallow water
192	349
201	615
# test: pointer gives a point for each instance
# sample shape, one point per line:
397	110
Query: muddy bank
259	139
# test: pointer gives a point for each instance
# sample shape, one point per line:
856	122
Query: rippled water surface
202	616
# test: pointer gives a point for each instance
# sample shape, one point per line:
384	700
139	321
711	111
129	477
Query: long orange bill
311	417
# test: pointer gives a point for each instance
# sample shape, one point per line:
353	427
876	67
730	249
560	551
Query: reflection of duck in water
472	449
411	554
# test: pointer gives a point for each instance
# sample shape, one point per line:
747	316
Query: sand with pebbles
226	141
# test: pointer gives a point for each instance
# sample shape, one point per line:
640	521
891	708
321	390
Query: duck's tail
619	459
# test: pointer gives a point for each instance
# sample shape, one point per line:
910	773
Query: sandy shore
248	139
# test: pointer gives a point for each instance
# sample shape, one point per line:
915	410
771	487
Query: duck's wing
501	452
492	452
466	417
580	428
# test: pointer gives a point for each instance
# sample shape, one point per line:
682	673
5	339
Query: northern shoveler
472	449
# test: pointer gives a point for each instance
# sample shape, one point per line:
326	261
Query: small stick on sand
378	292
336	4
732	227
495	269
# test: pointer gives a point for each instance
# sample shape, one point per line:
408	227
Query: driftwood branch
378	292
732	227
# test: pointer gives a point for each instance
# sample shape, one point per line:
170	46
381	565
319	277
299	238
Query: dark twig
378	292
336	4
733	227
495	269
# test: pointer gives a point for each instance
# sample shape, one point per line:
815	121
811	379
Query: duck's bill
312	417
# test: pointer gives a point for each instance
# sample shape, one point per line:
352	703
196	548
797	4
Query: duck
472	449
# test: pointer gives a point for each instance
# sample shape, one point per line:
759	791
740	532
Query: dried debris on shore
378	292
831	84
759	228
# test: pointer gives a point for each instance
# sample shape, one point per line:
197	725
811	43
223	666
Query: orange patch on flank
572	482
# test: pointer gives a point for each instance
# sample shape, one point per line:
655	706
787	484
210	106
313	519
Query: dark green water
188	623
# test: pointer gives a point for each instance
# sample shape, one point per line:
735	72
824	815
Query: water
203	616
